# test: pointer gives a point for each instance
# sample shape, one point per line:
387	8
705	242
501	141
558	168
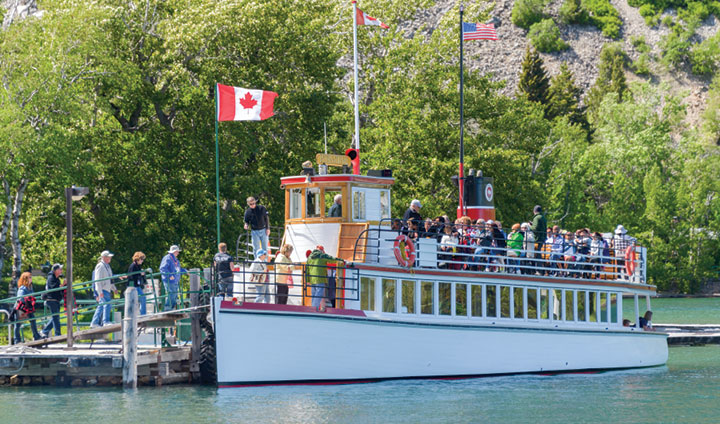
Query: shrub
604	16
641	66
545	36
638	41
651	15
572	12
705	57
527	12
675	47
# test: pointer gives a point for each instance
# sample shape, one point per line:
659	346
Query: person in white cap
413	213
102	288
620	243
171	272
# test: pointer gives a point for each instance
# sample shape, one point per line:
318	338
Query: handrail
248	243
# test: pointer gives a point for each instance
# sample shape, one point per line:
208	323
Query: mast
461	175
355	76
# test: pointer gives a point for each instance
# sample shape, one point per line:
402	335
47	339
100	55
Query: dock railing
341	283
86	305
472	253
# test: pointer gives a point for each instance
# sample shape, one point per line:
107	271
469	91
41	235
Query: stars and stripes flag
479	32
242	104
365	19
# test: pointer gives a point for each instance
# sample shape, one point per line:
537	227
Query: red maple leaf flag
365	19
242	104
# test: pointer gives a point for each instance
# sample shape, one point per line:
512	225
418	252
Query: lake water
696	310
687	389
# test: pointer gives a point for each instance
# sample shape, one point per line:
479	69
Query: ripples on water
686	390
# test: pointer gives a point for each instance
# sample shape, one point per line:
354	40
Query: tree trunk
5	223
15	239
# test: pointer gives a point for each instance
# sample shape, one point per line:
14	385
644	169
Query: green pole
217	167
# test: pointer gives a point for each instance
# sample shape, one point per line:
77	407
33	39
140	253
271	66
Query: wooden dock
690	334
86	365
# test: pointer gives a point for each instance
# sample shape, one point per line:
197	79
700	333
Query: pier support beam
130	339
195	330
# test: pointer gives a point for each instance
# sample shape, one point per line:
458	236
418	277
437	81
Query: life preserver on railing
630	259
404	250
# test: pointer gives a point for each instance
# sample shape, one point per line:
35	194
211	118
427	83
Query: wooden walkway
690	334
145	321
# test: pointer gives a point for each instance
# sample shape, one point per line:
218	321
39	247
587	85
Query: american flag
479	32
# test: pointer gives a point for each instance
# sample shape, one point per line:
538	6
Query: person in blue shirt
171	273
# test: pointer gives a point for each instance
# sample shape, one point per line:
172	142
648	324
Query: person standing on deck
257	221
25	290
52	300
136	278
619	243
413	214
538	227
171	273
283	273
102	288
336	209
316	275
224	270
259	276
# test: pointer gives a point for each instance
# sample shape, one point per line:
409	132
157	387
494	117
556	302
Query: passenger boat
397	316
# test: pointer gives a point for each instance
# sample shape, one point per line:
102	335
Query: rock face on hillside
19	9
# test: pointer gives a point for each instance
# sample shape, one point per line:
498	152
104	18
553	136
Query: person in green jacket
539	227
515	248
316	275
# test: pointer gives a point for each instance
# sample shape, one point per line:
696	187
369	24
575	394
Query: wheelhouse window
358	205
385	204
367	294
295	203
312	203
329	196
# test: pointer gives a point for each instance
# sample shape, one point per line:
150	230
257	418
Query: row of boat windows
487	301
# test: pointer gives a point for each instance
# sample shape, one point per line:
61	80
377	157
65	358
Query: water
705	310
687	389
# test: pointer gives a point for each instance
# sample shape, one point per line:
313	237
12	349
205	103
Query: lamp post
71	193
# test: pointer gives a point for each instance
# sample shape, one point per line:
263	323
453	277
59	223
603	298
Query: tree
534	82
611	79
564	97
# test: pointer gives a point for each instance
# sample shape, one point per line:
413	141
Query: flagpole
461	175
217	165
355	75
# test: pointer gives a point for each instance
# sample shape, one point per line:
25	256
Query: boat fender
630	259
404	250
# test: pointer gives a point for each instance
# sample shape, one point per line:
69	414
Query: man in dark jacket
539	227
52	300
413	214
257	221
224	267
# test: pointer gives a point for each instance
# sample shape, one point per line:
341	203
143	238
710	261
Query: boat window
532	295
329	198
504	302
388	287
358	204
592	305
427	298
476	299
544	305
518	303
603	307
312	202
367	294
460	299
385	204
295	203
582	306
444	292
408	297
490	302
615	303
569	305
557	304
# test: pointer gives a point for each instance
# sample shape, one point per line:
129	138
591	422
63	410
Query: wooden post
195	330
130	339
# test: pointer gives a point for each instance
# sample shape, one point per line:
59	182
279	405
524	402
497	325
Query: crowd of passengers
530	248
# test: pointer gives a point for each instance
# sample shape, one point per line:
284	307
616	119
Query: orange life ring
404	250
630	259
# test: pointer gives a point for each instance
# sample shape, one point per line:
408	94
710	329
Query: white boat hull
265	345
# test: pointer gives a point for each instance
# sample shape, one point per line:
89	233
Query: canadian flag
365	19
242	104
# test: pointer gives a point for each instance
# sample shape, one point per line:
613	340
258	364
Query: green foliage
675	48
534	82
572	12
604	16
705	57
641	65
650	13
711	115
638	41
564	97
545	37
527	12
611	79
